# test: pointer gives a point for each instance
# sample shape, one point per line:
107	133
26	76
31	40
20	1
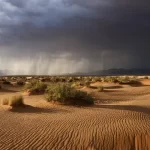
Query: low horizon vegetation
35	87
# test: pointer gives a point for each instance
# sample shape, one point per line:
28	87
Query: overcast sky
65	36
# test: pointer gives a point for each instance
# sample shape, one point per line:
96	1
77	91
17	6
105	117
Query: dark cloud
47	36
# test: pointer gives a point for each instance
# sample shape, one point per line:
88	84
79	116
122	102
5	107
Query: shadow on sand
7	91
114	87
139	109
37	110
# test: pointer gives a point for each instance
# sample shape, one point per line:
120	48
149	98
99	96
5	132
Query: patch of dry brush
65	94
14	101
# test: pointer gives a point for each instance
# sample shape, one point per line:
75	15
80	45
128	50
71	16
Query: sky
66	36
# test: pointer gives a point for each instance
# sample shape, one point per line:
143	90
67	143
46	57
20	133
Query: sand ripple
101	127
42	126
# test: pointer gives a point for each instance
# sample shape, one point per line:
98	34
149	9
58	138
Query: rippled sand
121	122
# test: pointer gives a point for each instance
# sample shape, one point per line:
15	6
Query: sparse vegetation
87	84
20	82
65	94
5	101
14	101
127	80
146	77
6	82
100	89
35	87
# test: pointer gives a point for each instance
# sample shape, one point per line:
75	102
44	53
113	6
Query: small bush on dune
20	82
5	101
100	88
36	87
146	77
65	94
16	101
87	83
77	85
6	82
127	80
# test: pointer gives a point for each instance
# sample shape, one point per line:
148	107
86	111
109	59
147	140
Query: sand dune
123	124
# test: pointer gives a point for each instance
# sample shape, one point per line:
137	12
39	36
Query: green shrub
100	88
36	87
65	94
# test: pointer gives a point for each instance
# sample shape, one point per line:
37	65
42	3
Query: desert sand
119	120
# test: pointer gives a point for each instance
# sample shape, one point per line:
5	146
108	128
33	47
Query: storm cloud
65	36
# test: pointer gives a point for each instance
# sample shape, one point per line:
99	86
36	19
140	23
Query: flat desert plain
119	120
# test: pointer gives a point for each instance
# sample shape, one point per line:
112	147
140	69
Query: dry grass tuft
5	101
100	89
14	101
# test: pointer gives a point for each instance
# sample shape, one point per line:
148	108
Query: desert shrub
65	94
56	79
62	79
100	88
16	101
146	77
70	80
35	87
6	82
112	79
77	84
20	82
87	83
127	80
76	79
97	79
5	101
42	79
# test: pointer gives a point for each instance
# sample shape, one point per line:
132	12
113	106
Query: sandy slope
124	124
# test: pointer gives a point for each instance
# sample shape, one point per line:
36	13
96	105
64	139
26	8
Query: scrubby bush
100	88
35	87
5	101
65	94
127	80
77	85
87	83
16	101
20	82
6	82
146	77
